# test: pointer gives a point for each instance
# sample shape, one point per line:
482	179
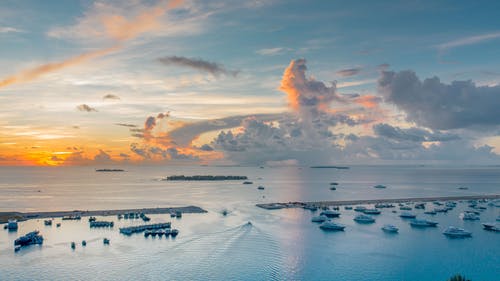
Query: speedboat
420	206
407	215
491	226
73	245
333	188
380	186
319	218
453	232
260	187
84	243
175	232
247	182
330	214
372	211
430	212
364	219
469	216
331	226
390	228
360	209
105	241
423	223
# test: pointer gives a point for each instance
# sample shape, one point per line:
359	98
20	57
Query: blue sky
258	40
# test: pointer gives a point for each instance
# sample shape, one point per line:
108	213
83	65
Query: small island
204	178
109	170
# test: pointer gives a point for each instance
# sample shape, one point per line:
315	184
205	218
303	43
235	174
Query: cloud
272	51
413	134
126	125
213	68
117	27
206	147
110	97
471	40
348	72
368	101
86	108
436	105
8	29
102	157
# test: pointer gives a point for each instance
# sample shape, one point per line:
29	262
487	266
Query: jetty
141	228
204	178
20	216
319	204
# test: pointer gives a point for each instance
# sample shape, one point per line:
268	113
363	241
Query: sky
249	82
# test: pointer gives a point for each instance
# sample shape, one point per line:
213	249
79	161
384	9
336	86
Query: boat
120	216
333	188
389	228
405	208
71	218
12	225
383	205
463	188
441	210
407	215
430	212
247	182
423	223
319	218
144	217
372	211
105	241
331	226
348	207
330	214
47	222
360	209
172	214
469	216
491	226
334	183
455	232
420	206
311	208
380	186
174	233
84	243
58	224
73	245
364	219
260	187
178	214
498	218
29	239
91	219
94	224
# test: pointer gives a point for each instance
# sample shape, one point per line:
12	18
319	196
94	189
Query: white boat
469	216
491	226
330	214
372	211
331	226
364	219
423	223
319	218
360	209
380	186
452	231
407	215
390	228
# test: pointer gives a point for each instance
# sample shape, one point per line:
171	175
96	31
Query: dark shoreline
274	206
20	216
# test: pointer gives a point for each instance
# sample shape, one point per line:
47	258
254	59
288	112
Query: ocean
276	244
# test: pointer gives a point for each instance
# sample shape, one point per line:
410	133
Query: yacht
423	223
319	218
405	208
469	216
380	186
372	211
311	208
364	219
407	215
331	226
12	225
390	228
441	210
420	206
360	209
430	212
330	214
491	226
452	231
348	207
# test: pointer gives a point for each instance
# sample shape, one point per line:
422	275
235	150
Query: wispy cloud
471	40
8	29
86	108
110	97
116	27
213	68
272	51
349	72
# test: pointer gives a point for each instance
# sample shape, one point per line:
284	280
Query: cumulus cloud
213	68
110	97
412	134
348	72
86	108
441	106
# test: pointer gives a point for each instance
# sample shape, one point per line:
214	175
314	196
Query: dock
141	228
275	206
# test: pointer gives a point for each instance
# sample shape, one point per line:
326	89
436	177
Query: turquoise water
278	245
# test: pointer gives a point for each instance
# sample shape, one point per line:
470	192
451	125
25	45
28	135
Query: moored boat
330	214
320	218
423	223
407	215
455	232
331	226
364	219
390	228
372	211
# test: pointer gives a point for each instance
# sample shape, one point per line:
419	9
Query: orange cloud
117	27
368	101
